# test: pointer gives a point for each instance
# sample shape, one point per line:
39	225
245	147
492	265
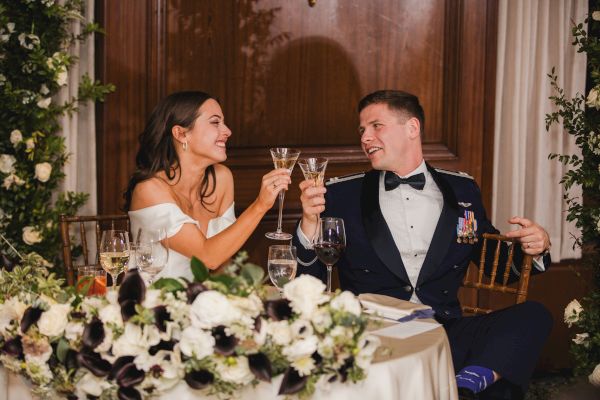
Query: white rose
73	331
89	384
235	370
16	137
321	320
43	171
196	343
367	345
301	348
135	340
44	103
7	163
326	347
251	305
595	376
280	332
61	79
346	301
44	90
305	293
596	15
593	99
111	314
341	333
211	309
54	321
11	27
582	338
572	312
31	235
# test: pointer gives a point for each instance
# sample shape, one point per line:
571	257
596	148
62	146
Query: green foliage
580	117
34	64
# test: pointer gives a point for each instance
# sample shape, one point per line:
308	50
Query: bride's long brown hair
157	148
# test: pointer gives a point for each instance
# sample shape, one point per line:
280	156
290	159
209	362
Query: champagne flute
313	168
282	264
283	157
152	252
114	253
329	243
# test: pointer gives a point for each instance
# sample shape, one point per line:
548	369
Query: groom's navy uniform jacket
372	263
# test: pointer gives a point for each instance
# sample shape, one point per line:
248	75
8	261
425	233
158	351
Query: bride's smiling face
208	135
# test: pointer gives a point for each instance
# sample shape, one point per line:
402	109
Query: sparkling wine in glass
282	264
151	252
283	157
114	253
329	243
313	169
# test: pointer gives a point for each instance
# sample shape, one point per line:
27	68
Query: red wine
329	253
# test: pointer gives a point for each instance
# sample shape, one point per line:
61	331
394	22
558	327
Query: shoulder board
455	173
344	178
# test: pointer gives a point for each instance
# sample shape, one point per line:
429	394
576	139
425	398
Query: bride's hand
272	183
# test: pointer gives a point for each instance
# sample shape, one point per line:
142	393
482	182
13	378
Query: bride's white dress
172	218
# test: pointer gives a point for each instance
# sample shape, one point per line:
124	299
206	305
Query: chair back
84	224
486	279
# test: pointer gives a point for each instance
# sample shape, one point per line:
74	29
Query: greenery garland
35	38
580	117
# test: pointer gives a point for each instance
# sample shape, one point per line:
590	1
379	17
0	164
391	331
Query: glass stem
114	281
281	197
329	267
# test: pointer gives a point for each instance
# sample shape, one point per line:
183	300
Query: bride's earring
184	145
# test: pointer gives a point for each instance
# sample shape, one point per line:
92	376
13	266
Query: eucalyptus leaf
61	349
253	274
199	270
168	284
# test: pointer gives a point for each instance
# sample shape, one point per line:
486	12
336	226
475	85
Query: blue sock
475	378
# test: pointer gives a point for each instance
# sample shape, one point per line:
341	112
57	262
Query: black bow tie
392	181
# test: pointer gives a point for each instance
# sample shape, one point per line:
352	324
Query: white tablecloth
419	367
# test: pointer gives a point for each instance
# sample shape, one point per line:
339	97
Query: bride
180	185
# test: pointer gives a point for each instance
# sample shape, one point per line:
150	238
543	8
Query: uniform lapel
376	228
444	231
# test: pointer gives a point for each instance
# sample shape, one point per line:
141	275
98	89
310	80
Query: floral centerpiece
216	334
580	116
35	62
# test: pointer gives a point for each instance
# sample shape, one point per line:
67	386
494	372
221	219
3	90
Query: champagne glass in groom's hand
283	157
329	243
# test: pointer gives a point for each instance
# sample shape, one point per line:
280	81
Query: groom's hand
313	203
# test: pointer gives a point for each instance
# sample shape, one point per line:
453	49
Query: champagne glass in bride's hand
114	253
282	264
283	157
329	243
151	252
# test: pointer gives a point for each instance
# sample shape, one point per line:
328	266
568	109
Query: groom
401	222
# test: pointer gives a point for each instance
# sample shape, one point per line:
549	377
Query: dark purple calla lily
193	290
30	317
292	382
317	357
128	393
128	309
118	365
6	263
162	345
129	375
13	347
93	333
132	287
161	316
344	369
94	363
260	365
199	379
224	344
71	360
278	309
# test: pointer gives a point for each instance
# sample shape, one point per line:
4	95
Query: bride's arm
190	241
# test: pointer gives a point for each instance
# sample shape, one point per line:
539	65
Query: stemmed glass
151	252
329	243
313	169
282	264
283	157
114	253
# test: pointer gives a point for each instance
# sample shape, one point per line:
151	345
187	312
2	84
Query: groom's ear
179	132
